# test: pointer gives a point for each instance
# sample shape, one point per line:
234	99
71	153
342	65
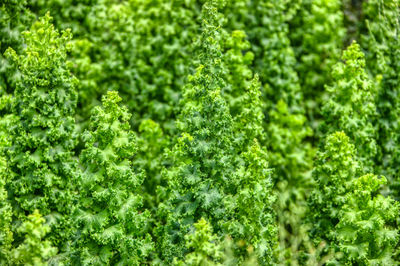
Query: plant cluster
199	132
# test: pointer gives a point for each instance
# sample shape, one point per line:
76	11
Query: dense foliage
219	170
41	168
351	105
112	230
199	132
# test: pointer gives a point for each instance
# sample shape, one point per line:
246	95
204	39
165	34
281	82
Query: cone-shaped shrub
238	60
209	177
285	124
286	129
14	18
42	138
112	227
246	108
351	105
242	90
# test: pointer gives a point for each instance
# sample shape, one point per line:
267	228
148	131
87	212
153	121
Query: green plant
366	232
112	228
139	48
151	143
335	168
204	249
355	224
40	160
34	250
351	106
209	177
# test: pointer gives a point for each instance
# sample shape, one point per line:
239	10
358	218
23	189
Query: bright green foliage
76	15
112	229
14	18
380	40
248	120
151	41
70	14
365	234
34	250
205	248
42	139
149	49
317	35
285	135
202	158
351	105
141	48
383	61
356	223
336	166
202	243
209	178
285	123
252	204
